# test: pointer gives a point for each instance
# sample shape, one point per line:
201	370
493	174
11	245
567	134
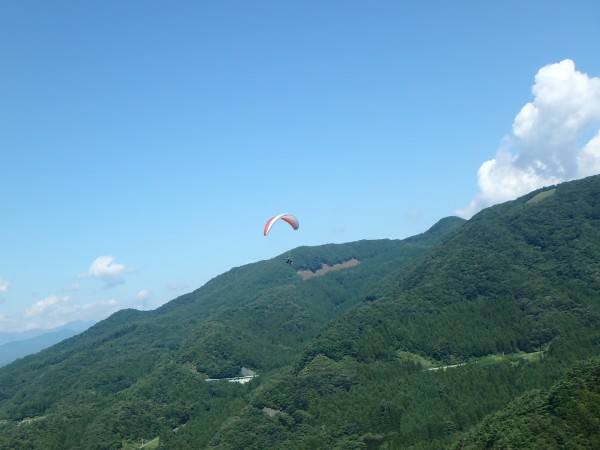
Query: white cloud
72	287
414	214
143	299
9	324
55	311
106	269
53	303
144	294
3	286
554	138
588	161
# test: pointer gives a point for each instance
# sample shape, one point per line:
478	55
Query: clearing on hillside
306	274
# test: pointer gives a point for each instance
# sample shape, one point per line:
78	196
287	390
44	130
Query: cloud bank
555	138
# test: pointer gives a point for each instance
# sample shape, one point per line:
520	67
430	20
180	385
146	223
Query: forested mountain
415	343
138	373
567	414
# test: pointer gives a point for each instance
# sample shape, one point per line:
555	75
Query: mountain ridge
343	356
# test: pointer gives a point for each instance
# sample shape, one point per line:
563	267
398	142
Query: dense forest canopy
443	340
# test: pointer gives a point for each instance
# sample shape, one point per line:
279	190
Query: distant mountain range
474	334
17	345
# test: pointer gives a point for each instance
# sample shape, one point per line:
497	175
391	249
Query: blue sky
144	144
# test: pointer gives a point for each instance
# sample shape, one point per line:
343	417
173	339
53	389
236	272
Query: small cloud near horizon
414	214
4	286
555	138
143	299
105	268
144	294
55	311
53	303
72	287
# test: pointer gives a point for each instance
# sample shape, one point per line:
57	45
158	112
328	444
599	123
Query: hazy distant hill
410	346
6	336
18	345
14	350
15	336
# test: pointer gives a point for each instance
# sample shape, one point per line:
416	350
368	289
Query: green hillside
565	416
137	374
443	339
511	301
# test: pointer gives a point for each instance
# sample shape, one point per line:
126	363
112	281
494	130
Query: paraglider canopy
289	218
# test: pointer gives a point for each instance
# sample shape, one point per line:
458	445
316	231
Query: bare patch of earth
306	274
272	412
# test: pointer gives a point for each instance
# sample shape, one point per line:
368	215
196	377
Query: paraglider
289	218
